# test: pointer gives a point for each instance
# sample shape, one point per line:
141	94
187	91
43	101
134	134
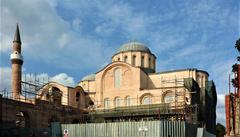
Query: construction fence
126	129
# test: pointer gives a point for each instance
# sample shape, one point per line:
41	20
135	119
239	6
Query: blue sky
68	39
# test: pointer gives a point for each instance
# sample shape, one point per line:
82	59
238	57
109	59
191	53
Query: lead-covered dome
90	77
133	46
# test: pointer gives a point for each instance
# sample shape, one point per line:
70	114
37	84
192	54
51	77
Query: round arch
22	120
117	101
168	96
146	99
105	72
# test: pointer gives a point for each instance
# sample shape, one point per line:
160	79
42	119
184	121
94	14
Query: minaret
17	61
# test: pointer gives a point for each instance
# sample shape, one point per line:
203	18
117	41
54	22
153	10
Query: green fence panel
56	129
127	129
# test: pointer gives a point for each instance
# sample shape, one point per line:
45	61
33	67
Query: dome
90	77
133	46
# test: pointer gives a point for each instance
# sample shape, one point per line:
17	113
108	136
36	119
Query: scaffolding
31	84
179	109
175	111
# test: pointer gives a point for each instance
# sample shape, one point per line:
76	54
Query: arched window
77	96
56	95
118	59
117	78
142	61
154	64
125	58
117	102
147	100
149	62
128	101
22	120
134	60
169	97
106	103
84	85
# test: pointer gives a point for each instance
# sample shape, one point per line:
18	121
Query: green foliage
235	68
235	83
237	45
220	130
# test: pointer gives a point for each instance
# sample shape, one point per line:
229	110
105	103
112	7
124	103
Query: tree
220	130
237	45
235	66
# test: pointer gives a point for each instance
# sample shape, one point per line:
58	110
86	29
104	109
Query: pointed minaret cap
17	37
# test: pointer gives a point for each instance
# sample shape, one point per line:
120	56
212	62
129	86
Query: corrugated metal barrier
127	129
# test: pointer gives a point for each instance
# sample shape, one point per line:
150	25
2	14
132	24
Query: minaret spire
17	61
17	37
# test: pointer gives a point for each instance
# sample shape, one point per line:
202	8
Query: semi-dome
90	77
133	46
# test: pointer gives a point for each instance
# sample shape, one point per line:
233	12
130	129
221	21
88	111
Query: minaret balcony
16	56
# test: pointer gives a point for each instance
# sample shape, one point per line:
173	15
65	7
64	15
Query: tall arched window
134	60
149	62
56	95
106	103
128	101
117	78
125	58
142	61
77	96
117	102
147	100
154	64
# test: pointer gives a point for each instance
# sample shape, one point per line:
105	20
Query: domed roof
133	46
89	77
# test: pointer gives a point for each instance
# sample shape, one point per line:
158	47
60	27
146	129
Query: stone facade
62	95
137	83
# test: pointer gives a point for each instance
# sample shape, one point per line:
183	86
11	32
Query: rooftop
133	46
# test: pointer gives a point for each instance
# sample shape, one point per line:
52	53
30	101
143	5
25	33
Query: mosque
129	82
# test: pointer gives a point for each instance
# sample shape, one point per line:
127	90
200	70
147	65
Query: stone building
129	83
131	80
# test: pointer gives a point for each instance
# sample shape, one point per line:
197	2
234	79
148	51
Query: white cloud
220	73
44	78
5	78
76	24
48	37
64	40
104	29
5	45
221	117
221	100
64	79
41	79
